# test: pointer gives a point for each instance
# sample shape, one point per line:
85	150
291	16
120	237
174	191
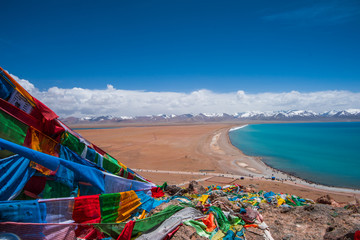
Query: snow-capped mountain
279	115
97	119
349	112
290	115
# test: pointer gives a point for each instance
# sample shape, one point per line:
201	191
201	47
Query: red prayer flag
156	192
86	210
127	231
45	111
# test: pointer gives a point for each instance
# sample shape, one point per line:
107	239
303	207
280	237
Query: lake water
325	153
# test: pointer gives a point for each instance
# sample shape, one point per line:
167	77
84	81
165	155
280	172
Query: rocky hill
320	219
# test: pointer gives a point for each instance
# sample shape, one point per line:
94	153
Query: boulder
174	190
195	187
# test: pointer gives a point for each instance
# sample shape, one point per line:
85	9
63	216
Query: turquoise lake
325	153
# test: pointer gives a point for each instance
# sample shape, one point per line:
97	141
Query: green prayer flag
141	225
298	203
162	186
72	142
223	222
111	164
54	189
109	205
199	227
12	129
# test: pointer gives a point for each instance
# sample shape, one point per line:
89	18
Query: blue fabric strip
14	174
5	87
148	203
67	154
30	211
81	173
43	159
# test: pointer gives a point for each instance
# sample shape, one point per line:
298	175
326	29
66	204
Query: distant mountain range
291	115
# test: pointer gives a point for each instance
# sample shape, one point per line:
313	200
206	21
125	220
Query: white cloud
25	84
81	102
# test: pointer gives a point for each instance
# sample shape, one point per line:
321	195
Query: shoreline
198	148
282	176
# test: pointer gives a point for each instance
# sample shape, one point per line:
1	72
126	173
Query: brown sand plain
178	154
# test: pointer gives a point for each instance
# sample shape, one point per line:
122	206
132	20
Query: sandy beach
178	154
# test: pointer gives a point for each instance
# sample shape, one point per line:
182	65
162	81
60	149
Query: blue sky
184	46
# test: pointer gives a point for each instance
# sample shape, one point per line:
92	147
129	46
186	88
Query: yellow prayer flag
203	199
